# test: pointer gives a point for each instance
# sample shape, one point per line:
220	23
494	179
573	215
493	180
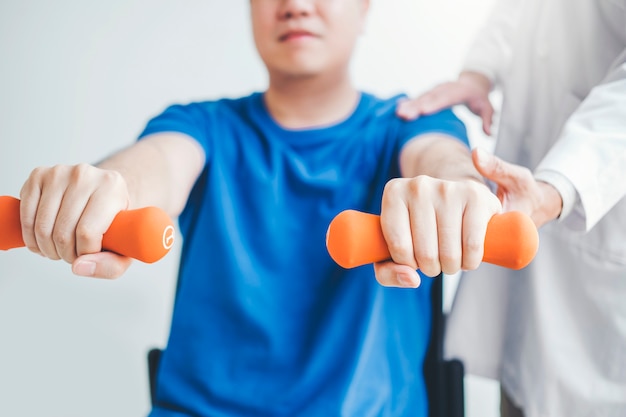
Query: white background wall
78	80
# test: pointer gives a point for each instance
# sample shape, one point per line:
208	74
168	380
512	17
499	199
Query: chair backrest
154	356
444	379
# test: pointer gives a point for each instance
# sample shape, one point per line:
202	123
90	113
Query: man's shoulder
199	118
223	104
444	121
381	106
384	108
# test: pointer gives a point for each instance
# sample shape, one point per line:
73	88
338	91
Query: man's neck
305	102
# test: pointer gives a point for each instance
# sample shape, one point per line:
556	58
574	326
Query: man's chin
299	68
297	72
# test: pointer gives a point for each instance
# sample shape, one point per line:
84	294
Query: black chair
444	379
154	356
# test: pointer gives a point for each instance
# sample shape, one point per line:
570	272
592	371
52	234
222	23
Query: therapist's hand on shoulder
471	89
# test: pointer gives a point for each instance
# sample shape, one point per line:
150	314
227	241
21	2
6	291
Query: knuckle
427	259
56	172
110	177
416	186
392	191
81	172
28	224
62	238
446	189
84	232
37	172
399	251
113	178
473	245
393	186
42	230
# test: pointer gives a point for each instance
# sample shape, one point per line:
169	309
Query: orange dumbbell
355	238
146	234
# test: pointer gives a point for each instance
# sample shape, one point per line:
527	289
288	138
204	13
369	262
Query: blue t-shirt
264	322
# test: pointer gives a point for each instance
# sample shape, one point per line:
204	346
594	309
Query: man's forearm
159	171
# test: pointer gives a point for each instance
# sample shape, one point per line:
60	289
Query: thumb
390	274
492	167
101	265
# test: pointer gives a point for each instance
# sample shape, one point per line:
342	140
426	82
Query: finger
411	227
437	100
47	212
502	173
95	221
396	225
390	274
29	201
78	189
449	231
425	238
487	117
64	234
41	199
409	109
441	97
447	95
474	229
101	265
482	107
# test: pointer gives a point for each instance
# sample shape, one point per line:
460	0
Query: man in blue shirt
265	323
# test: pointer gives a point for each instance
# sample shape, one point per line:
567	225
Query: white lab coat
554	333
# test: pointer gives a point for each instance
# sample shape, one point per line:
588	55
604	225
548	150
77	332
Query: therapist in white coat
554	333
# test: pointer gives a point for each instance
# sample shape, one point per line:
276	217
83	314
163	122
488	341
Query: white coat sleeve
490	52
591	150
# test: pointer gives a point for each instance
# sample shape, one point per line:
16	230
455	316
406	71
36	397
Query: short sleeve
444	122
191	120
